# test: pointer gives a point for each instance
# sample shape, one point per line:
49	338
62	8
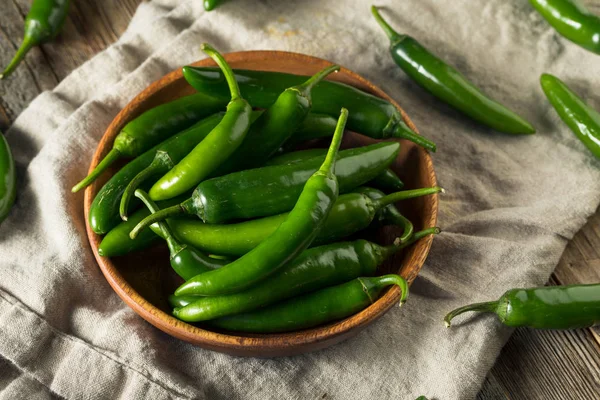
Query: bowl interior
144	280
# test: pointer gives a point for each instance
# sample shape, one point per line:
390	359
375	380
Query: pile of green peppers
258	232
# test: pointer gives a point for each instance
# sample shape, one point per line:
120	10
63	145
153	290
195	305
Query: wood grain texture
97	21
145	290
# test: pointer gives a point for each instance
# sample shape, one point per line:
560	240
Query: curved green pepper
43	22
215	148
153	127
583	120
549	307
314	269
313	309
273	190
448	84
369	115
8	179
291	238
572	20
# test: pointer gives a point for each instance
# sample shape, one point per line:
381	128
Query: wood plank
549	365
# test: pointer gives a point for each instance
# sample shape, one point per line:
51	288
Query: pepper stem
174	246
331	156
19	56
407	228
402	131
307	86
161	163
489	306
393	279
106	162
229	76
398	244
389	31
157	217
404	195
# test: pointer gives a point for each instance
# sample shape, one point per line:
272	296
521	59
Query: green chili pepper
154	126
313	309
275	126
572	20
549	307
387	180
117	241
215	148
291	238
186	261
273	190
390	214
104	211
314	269
369	115
583	120
351	213
8	179
43	23
448	84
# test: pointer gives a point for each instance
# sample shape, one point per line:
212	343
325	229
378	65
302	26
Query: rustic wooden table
533	365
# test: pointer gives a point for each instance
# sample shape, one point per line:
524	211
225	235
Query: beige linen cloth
512	205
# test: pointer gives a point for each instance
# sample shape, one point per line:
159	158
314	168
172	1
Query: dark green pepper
369	115
186	261
8	179
387	180
549	307
448	84
291	238
43	23
273	190
313	309
572	20
104	211
314	269
351	213
215	148
153	127
583	120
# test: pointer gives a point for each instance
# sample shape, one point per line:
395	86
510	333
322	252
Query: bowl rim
269	344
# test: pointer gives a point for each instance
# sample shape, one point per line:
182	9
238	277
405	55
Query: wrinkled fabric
512	204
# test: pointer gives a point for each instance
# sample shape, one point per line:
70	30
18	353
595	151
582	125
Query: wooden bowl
145	280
